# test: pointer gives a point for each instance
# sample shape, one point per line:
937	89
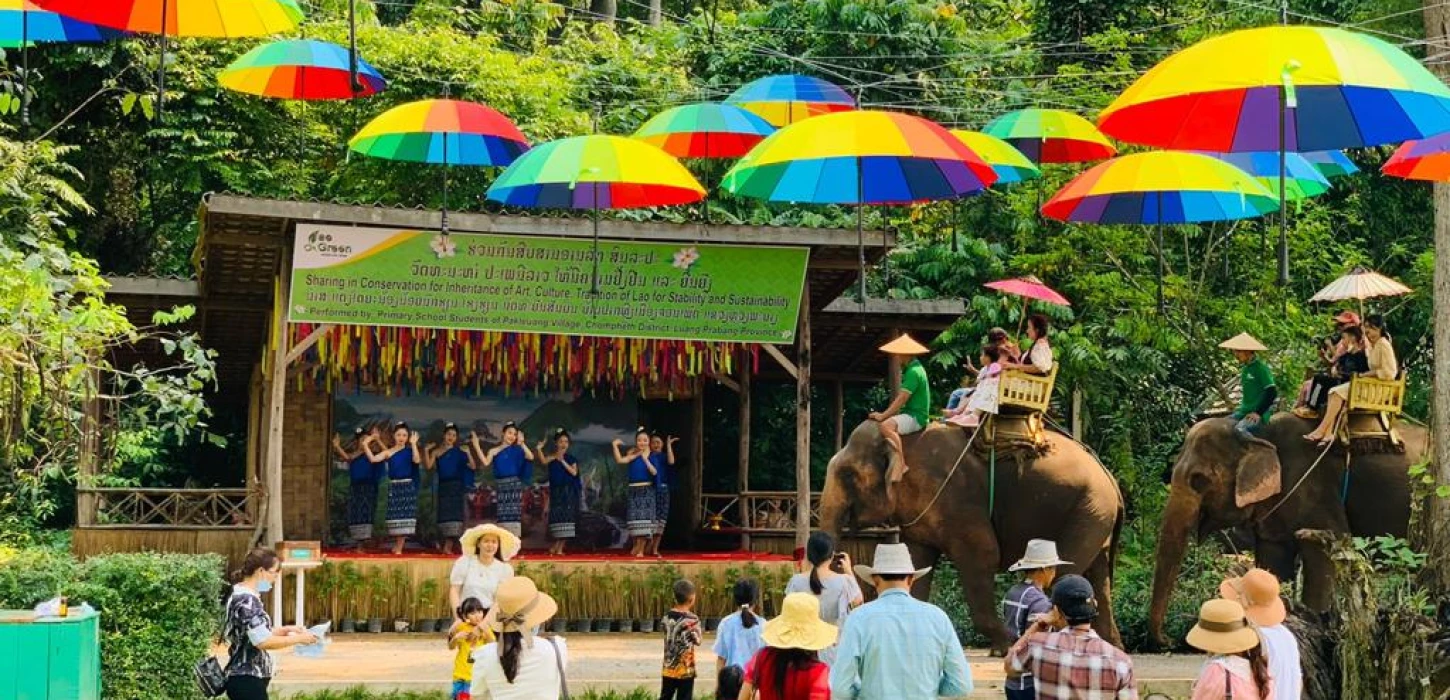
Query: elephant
1222	481
1064	495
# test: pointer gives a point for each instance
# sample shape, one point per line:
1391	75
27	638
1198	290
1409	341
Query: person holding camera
1066	658
828	581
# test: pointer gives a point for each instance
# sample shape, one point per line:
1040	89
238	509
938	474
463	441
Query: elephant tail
1117	543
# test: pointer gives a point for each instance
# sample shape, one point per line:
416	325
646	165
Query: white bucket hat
890	560
1040	555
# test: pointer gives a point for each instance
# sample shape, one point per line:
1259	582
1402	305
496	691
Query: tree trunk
1437	575
655	11
604	10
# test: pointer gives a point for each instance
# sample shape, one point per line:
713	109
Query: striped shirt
1021	606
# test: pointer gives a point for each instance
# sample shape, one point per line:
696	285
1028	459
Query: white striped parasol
1360	284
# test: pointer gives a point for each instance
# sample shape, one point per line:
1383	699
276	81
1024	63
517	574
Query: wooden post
276	408
838	394
697	455
893	367
742	479
88	461
256	411
803	422
1077	422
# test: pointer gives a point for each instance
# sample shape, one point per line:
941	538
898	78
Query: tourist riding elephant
1222	481
1063	495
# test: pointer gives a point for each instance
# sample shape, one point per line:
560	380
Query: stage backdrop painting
591	422
532	284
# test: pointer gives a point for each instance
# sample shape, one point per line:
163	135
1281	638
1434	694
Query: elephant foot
1157	642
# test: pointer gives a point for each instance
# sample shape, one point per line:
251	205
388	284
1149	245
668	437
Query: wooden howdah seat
1024	392
1023	399
1370	414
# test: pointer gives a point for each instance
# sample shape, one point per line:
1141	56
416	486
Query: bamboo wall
230	543
306	461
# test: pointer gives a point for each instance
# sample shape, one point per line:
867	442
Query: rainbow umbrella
301	70
1301	179
1331	164
1051	136
446	132
1426	159
786	99
596	172
705	130
183	18
23	23
1160	187
1008	162
860	158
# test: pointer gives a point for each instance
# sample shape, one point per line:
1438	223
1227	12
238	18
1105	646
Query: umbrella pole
161	67
1022	319
1162	307
1283	198
24	66
445	184
594	280
861	237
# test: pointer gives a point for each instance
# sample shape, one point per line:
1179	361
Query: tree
1437	35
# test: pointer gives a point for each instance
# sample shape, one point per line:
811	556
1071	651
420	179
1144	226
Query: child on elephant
984	398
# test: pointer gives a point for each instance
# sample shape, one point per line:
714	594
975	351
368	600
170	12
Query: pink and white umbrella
1360	284
1029	288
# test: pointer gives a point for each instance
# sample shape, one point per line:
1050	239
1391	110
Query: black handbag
211	679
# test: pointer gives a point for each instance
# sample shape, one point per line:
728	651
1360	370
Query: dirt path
614	661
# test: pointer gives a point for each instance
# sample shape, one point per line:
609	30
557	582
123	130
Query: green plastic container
50	658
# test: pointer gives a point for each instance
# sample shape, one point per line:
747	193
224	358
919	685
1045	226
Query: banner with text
524	284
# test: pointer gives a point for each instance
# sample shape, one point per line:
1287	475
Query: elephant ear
1258	474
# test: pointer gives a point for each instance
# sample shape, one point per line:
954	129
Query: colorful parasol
786	99
705	130
1360	284
1008	162
1161	187
860	158
1426	159
446	132
1331	164
23	23
1051	136
1030	288
1301	179
301	70
596	172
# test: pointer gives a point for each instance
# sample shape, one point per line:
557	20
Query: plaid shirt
1076	665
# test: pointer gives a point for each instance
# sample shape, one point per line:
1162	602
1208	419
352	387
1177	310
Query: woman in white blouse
1038	358
520	665
483	566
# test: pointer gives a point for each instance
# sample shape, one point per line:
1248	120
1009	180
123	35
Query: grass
361	693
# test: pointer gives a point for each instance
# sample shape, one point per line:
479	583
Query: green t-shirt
1255	378
913	380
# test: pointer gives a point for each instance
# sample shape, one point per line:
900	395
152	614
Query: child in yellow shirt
466	635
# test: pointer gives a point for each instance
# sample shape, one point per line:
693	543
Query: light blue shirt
899	648
737	643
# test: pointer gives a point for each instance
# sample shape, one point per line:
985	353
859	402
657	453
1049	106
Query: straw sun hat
891	560
518	606
1222	628
799	625
1040	555
1258	592
508	542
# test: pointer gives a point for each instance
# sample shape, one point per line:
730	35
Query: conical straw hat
1243	341
905	345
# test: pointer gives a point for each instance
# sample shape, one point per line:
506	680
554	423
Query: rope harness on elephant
952	473
1307	472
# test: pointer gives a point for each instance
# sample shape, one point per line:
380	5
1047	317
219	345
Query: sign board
532	284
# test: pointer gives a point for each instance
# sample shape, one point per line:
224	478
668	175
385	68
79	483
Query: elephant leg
923	556
1099	575
976	557
1318	590
1278	558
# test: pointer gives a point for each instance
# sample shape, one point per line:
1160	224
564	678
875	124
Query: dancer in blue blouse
565	489
662	456
402	458
510	461
362	486
454	463
641	519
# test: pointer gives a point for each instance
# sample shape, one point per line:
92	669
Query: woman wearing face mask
453	463
402	458
510	461
248	629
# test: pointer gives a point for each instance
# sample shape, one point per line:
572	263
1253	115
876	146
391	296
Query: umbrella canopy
300	70
787	99
863	157
705	130
1008	162
1361	284
1223	94
1301	179
449	132
1428	159
1161	187
1331	164
1029	287
1051	136
24	22
194	18
596	172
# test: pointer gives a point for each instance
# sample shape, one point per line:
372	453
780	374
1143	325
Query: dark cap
1073	595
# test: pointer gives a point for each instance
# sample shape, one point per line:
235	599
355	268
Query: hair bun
450	425
400	425
358	431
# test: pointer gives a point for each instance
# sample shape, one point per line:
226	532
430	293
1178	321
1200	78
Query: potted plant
324	591
402	592
377	590
558	584
349	585
426	601
606	602
707	590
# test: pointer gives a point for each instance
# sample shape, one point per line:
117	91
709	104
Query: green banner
529	284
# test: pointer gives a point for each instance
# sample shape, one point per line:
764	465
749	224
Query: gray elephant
1222	481
1063	495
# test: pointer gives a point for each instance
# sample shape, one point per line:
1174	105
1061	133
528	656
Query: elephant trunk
834	512
1180	524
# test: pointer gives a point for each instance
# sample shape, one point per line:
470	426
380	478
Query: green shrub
159	614
29	576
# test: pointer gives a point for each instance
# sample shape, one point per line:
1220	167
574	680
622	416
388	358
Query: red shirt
810	683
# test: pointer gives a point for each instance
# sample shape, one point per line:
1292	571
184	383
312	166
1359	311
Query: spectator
1027	602
483	566
1258	592
738	637
520	666
682	635
1237	668
788	668
830	582
728	683
897	647
249	631
1073	661
466	635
